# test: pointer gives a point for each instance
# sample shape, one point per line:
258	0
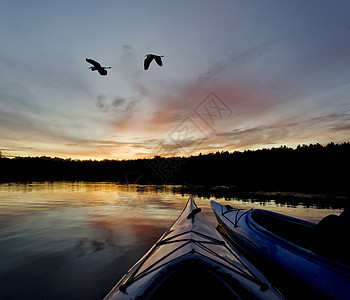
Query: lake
75	240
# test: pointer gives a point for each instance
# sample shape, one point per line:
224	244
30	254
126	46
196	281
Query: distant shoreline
309	168
289	199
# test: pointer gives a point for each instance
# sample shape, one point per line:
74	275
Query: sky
236	75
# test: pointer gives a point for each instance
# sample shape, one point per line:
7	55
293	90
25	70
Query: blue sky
278	69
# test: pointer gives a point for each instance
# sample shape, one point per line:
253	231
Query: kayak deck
191	260
285	247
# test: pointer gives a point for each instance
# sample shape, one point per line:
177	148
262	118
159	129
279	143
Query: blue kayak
288	245
192	261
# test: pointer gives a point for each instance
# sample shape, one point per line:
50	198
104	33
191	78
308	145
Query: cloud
161	118
115	105
158	115
341	127
163	104
286	131
235	63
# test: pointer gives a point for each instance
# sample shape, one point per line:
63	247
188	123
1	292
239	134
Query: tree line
306	168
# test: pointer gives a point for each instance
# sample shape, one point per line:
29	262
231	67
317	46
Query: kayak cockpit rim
196	271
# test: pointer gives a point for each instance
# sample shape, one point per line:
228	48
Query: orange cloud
158	116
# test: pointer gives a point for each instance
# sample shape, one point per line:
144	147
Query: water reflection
74	240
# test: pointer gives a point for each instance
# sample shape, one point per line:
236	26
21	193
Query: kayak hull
324	276
191	260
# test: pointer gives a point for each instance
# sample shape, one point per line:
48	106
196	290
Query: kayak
286	245
193	261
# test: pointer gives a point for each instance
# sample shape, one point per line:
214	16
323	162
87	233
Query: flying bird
97	66
150	57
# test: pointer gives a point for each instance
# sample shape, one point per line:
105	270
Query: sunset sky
237	75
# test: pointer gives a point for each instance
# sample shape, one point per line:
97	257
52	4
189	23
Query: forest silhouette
306	168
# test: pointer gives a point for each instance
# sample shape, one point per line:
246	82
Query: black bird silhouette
150	57
97	66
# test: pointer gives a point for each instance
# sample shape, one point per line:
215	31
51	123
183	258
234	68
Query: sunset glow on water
75	240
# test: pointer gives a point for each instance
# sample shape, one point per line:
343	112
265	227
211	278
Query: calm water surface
67	240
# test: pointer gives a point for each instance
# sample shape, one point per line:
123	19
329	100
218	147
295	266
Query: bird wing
158	60
147	61
102	71
94	63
